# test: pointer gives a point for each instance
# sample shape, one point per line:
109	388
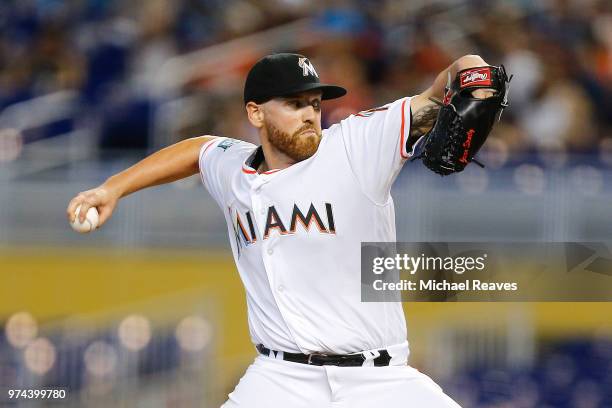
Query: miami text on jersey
245	231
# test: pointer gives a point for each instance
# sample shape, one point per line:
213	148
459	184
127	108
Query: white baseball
90	223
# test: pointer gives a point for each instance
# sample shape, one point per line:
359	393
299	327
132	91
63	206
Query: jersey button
281	288
270	251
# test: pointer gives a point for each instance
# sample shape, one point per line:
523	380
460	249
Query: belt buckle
314	354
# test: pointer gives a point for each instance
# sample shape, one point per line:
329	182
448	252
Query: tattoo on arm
422	122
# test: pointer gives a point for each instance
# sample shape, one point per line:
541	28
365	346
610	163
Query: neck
273	158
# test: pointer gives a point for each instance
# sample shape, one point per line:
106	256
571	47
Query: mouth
309	132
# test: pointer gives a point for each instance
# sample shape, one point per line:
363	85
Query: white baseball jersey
295	233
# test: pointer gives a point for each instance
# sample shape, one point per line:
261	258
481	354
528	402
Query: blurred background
149	311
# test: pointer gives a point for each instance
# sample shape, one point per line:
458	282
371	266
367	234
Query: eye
316	105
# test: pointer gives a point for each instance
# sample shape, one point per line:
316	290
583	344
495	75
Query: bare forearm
173	163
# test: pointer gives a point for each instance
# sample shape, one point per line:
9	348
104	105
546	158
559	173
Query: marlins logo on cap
307	67
285	74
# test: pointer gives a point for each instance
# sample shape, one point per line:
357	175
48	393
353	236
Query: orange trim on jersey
369	112
253	171
402	139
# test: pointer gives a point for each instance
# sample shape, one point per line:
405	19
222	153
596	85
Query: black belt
340	360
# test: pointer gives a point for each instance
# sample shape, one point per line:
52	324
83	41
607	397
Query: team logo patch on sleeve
227	143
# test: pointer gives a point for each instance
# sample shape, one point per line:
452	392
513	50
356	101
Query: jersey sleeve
219	159
375	142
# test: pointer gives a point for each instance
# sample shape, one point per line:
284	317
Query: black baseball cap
285	74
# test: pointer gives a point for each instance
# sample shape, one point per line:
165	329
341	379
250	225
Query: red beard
296	146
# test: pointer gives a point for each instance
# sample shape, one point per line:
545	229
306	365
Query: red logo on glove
475	77
466	146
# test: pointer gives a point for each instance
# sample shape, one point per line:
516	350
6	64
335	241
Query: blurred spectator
111	52
559	113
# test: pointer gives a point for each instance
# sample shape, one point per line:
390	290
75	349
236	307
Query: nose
308	114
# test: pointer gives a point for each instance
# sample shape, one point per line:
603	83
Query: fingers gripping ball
91	220
464	121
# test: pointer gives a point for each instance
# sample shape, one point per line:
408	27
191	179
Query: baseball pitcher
297	208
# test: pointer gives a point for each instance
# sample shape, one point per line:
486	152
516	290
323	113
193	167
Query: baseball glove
464	121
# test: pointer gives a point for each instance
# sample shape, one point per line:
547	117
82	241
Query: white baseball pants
274	383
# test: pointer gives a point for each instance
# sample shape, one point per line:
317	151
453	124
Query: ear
255	114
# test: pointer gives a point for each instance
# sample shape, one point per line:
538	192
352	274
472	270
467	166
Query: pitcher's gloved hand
465	119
